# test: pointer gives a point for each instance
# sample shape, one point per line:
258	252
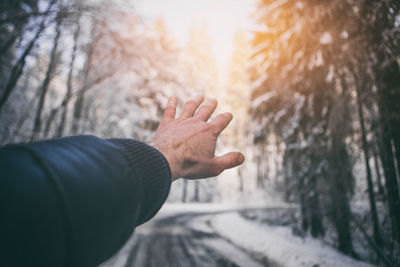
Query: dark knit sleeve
147	165
75	201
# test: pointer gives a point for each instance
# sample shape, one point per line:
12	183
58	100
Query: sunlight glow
222	19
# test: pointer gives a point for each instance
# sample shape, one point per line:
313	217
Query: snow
326	38
331	74
344	34
174	208
397	21
279	115
260	81
262	29
262	99
279	244
316	61
231	252
294	121
271	7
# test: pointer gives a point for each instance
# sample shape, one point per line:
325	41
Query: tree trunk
68	95
184	191
77	114
259	170
340	175
371	192
196	197
342	215
317	228
241	182
86	115
46	82
262	162
391	183
392	82
378	173
49	121
289	175
303	209
78	107
387	109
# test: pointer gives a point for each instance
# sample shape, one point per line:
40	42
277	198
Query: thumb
229	160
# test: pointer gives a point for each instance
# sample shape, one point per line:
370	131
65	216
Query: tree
237	95
294	49
317	64
53	63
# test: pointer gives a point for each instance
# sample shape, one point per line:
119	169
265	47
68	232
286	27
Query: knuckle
210	129
206	126
203	127
195	120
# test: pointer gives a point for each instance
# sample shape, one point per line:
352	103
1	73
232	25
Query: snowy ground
217	235
279	244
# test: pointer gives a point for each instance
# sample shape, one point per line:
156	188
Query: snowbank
278	243
177	208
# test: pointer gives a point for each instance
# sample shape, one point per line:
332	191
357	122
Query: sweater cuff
152	171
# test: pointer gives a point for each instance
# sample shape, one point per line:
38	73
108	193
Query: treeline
326	90
74	67
95	67
27	27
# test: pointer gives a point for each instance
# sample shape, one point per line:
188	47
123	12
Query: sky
222	18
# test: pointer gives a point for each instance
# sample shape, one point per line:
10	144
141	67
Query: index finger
170	109
221	122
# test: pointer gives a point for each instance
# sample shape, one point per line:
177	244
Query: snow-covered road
219	236
177	240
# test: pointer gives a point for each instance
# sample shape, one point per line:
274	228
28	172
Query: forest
314	87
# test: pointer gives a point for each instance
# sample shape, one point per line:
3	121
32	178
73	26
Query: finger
221	122
207	109
170	109
190	107
228	161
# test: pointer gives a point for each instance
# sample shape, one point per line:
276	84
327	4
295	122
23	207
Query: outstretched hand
189	141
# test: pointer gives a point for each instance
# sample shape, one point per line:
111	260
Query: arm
75	201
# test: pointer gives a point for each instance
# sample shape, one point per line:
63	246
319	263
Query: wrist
171	162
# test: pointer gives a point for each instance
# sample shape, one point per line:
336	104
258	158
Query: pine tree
237	94
310	60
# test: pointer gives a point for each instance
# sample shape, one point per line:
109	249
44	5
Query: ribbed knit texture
151	168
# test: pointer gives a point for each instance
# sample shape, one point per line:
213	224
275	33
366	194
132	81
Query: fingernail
241	158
